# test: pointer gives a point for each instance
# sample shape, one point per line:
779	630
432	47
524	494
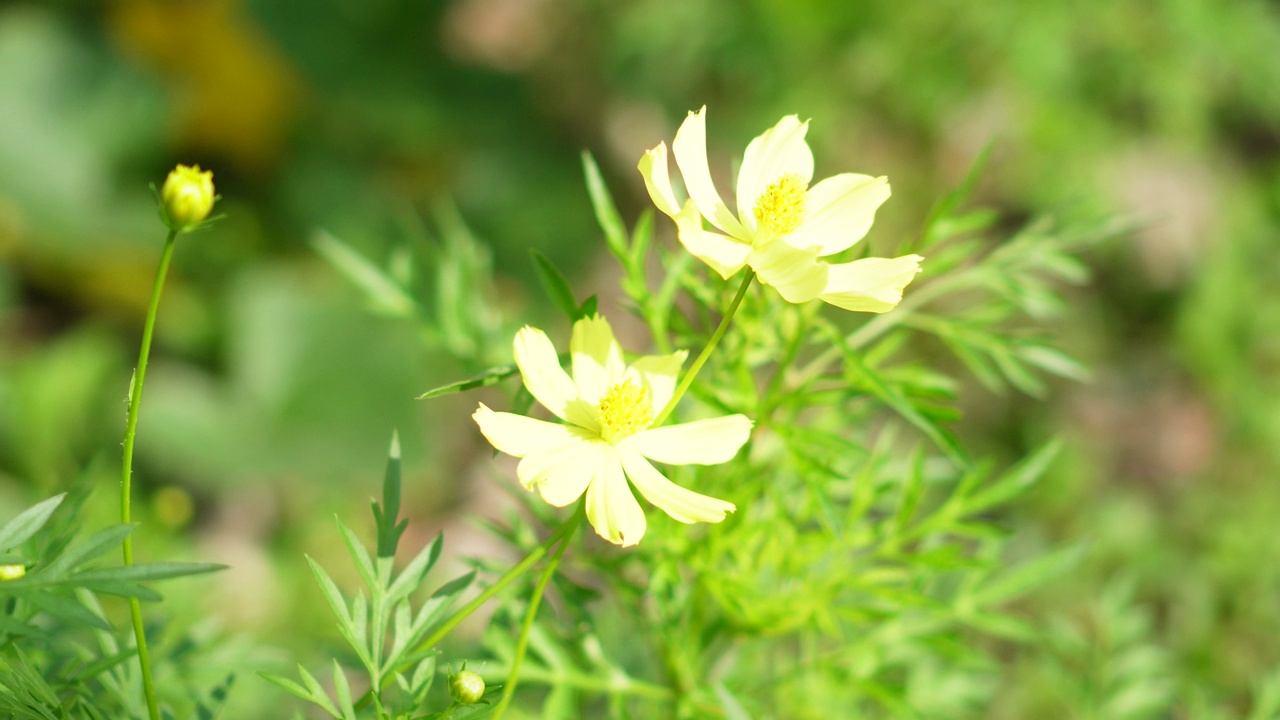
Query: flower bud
187	196
14	571
466	687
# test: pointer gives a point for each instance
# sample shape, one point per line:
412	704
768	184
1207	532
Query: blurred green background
273	391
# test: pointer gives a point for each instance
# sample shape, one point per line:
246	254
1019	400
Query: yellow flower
783	226
12	571
607	407
187	196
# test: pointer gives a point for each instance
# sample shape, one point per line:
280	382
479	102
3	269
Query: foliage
272	390
384	631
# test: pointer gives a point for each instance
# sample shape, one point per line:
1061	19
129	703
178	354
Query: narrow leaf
388	513
489	377
342	689
890	396
147	572
615	233
91	547
1016	481
331	593
555	284
383	293
28	522
318	695
1027	577
416	570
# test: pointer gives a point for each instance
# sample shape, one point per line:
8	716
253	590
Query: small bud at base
187	196
466	687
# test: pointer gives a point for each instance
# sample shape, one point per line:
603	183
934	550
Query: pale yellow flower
608	407
783	226
188	196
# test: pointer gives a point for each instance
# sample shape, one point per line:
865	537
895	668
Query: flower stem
522	645
706	351
126	475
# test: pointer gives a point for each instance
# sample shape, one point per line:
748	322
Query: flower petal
701	442
597	358
611	506
657	178
518	435
795	273
870	285
561	474
658	373
780	150
681	504
725	255
841	210
690	149
540	366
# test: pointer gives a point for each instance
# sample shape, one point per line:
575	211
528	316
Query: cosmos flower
606	438
783	227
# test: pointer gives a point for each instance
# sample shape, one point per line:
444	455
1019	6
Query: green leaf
67	610
384	294
912	491
364	563
343	690
28	522
1026	577
331	593
489	377
555	284
1055	361
944	440
385	515
936	228
91	547
146	572
1015	481
120	588
615	232
441	600
318	695
411	577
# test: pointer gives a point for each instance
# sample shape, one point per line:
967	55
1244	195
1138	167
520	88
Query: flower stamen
781	207
625	409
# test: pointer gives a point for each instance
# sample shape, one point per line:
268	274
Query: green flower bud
187	196
466	687
14	571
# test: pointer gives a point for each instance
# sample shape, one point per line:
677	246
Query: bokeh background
396	126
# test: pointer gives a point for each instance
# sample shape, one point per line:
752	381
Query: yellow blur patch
236	94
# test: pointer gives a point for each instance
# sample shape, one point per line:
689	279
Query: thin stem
507	578
462	614
522	645
706	351
126	474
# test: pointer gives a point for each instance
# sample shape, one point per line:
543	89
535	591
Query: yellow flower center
781	206
625	409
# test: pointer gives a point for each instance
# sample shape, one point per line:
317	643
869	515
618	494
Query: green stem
462	614
126	475
507	578
522	645
706	351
